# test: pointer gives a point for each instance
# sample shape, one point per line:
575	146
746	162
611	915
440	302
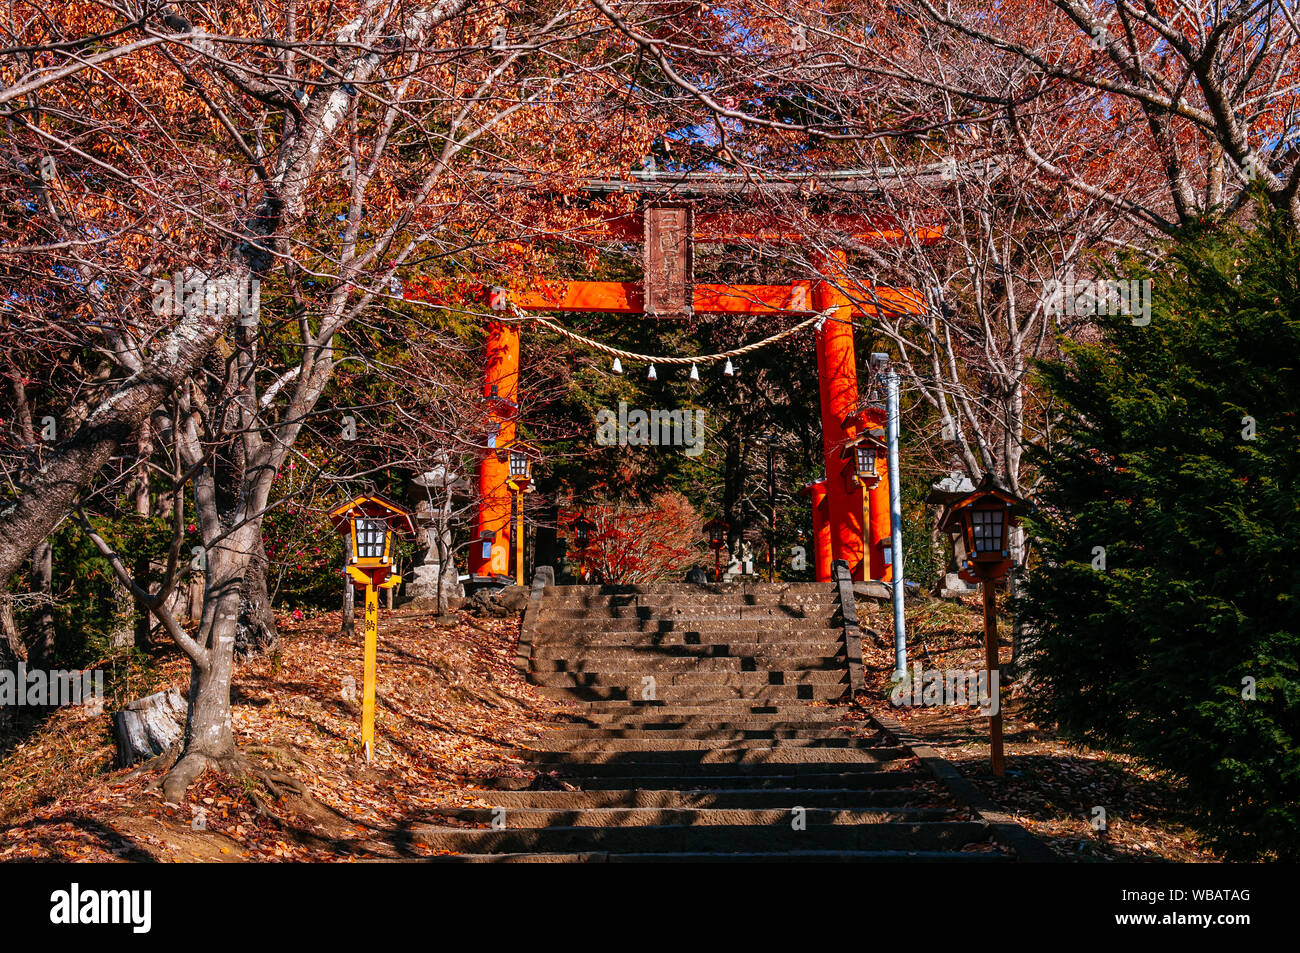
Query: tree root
191	767
159	764
274	780
184	773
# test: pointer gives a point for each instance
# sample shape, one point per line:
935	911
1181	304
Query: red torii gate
669	232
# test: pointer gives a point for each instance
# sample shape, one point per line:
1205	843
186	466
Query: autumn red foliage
637	544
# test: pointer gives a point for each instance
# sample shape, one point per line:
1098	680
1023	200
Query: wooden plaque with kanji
669	261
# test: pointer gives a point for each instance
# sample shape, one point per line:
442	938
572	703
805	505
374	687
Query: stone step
707	629
622	636
705	729
820	597
659	732
706	726
674	610
621	646
671	588
737	636
733	748
550	743
682	613
682	694
650	616
536	817
625	662
707	759
863	777
634	680
718	712
770	766
739	857
762	652
739	798
725	838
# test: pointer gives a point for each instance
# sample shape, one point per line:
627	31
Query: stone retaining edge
843	581
543	576
1006	829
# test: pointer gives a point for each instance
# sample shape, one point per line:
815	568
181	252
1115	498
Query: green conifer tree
1165	604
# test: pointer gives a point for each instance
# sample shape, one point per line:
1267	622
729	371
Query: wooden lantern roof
399	520
989	489
874	438
533	453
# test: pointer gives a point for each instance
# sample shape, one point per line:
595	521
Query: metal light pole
892	422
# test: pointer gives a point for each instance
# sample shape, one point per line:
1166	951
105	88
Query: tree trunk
209	739
1015	583
143	619
938	547
143	507
194	596
733	488
12	649
448	584
43	617
256	631
122	631
144	444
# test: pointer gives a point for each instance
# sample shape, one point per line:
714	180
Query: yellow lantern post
370	657
369	524
521	478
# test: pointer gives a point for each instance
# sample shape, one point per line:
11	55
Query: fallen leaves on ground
450	706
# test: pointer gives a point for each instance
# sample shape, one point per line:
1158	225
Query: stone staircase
703	728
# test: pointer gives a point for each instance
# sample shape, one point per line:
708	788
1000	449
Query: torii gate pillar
821	530
501	391
837	375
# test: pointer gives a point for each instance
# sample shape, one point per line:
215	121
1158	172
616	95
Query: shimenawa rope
653	359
